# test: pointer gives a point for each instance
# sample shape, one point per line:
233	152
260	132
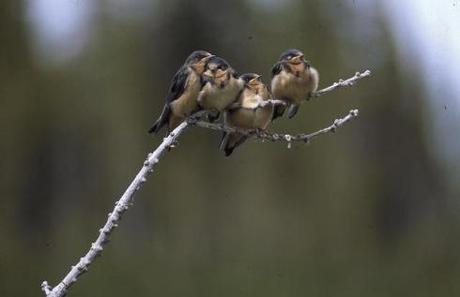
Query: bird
293	81
221	86
181	100
249	114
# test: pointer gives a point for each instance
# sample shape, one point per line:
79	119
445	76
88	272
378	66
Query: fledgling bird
293	81
181	100
248	114
221	86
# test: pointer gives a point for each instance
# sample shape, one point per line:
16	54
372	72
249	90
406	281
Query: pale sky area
426	33
60	28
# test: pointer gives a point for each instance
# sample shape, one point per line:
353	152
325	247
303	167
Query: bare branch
272	102
342	83
307	137
114	217
336	85
127	198
265	135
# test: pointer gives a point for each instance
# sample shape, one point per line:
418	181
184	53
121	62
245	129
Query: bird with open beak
248	114
181	100
221	87
293	81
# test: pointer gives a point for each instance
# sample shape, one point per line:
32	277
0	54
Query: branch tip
349	82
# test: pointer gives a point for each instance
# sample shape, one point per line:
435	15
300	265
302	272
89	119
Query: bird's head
198	59
293	57
252	80
217	68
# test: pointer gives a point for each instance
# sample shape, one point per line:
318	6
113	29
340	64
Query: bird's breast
291	87
220	97
186	104
250	115
249	99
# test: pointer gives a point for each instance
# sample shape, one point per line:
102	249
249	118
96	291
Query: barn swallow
221	86
293	81
181	100
248	114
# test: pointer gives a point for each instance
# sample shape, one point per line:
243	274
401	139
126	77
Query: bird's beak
205	59
298	59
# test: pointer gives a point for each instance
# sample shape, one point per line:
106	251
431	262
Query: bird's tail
292	110
230	141
278	111
162	120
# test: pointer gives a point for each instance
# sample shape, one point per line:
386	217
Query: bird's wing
176	89
279	109
276	69
178	83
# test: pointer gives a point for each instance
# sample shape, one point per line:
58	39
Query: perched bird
221	86
293	81
181	100
248	114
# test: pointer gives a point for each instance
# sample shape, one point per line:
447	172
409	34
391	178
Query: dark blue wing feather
276	69
176	89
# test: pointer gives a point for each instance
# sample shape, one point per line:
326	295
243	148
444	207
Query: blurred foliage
364	212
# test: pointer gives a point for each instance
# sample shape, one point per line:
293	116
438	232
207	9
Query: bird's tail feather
223	141
278	111
230	141
292	110
162	120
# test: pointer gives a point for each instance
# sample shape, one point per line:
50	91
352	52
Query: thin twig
120	207
336	85
265	135
342	83
272	102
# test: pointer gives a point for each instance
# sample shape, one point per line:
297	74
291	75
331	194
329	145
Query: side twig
281	137
349	82
120	207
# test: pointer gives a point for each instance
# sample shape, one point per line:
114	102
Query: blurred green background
372	210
